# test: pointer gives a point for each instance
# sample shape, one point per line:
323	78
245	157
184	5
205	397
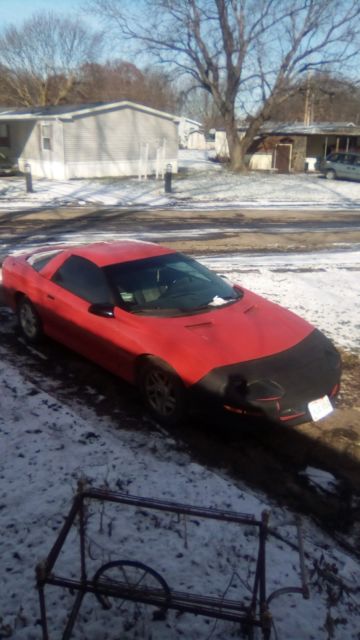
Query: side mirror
102	310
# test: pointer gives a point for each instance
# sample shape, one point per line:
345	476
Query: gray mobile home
85	141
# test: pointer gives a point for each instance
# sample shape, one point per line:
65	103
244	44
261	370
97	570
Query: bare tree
245	53
40	60
121	80
321	97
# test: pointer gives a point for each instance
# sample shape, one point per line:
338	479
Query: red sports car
163	321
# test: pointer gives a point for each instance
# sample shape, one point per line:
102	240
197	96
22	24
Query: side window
4	135
84	279
347	158
46	137
39	260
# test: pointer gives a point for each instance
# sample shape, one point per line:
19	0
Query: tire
29	321
330	174
163	392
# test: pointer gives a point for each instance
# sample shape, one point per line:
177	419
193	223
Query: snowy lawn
200	183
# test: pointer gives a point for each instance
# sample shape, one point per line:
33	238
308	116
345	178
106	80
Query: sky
16	11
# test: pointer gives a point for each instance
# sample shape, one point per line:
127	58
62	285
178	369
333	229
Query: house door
283	157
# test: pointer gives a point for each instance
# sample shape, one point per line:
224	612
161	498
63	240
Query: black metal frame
257	614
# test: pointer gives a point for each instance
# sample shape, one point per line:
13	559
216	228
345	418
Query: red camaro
163	321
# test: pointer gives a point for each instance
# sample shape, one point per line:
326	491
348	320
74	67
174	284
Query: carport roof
301	129
69	112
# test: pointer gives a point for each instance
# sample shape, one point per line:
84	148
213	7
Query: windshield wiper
225	300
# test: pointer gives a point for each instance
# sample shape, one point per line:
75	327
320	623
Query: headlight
259	391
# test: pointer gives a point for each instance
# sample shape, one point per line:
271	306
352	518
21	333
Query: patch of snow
320	479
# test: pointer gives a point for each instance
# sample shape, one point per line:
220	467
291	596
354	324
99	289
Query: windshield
170	284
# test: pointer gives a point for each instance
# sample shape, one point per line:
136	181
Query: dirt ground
333	443
221	230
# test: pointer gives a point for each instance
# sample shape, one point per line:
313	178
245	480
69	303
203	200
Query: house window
4	135
46	137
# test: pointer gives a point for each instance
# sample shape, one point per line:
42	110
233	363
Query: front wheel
163	392
330	175
29	320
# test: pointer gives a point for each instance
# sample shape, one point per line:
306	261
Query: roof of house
70	112
301	129
190	121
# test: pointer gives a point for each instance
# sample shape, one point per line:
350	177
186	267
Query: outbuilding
293	146
92	140
191	134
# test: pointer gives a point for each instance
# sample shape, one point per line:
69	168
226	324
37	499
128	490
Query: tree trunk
236	148
239	146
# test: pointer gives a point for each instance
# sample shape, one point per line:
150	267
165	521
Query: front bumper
279	386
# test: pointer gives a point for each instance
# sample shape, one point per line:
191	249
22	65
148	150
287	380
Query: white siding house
191	134
255	162
85	141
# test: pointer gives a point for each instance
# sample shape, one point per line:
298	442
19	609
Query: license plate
320	408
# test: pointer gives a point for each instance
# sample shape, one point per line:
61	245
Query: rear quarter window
347	158
39	260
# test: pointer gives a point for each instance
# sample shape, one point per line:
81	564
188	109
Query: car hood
246	330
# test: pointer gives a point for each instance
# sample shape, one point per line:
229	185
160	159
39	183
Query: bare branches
239	51
40	60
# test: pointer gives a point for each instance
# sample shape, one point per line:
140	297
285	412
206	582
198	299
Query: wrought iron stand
257	614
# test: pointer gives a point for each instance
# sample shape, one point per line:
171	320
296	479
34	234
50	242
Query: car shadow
273	459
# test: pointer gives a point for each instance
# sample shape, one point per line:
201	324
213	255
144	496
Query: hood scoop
253	307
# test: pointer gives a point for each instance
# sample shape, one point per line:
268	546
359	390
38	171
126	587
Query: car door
344	168
354	169
74	286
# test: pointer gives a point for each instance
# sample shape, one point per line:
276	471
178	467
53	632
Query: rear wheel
163	392
29	320
330	174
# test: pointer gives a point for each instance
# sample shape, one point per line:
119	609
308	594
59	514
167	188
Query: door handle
50	296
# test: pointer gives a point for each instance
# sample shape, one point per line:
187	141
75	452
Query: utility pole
309	103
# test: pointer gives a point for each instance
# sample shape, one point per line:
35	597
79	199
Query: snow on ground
47	446
199	183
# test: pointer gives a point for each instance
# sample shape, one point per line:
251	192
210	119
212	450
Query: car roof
106	253
345	153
